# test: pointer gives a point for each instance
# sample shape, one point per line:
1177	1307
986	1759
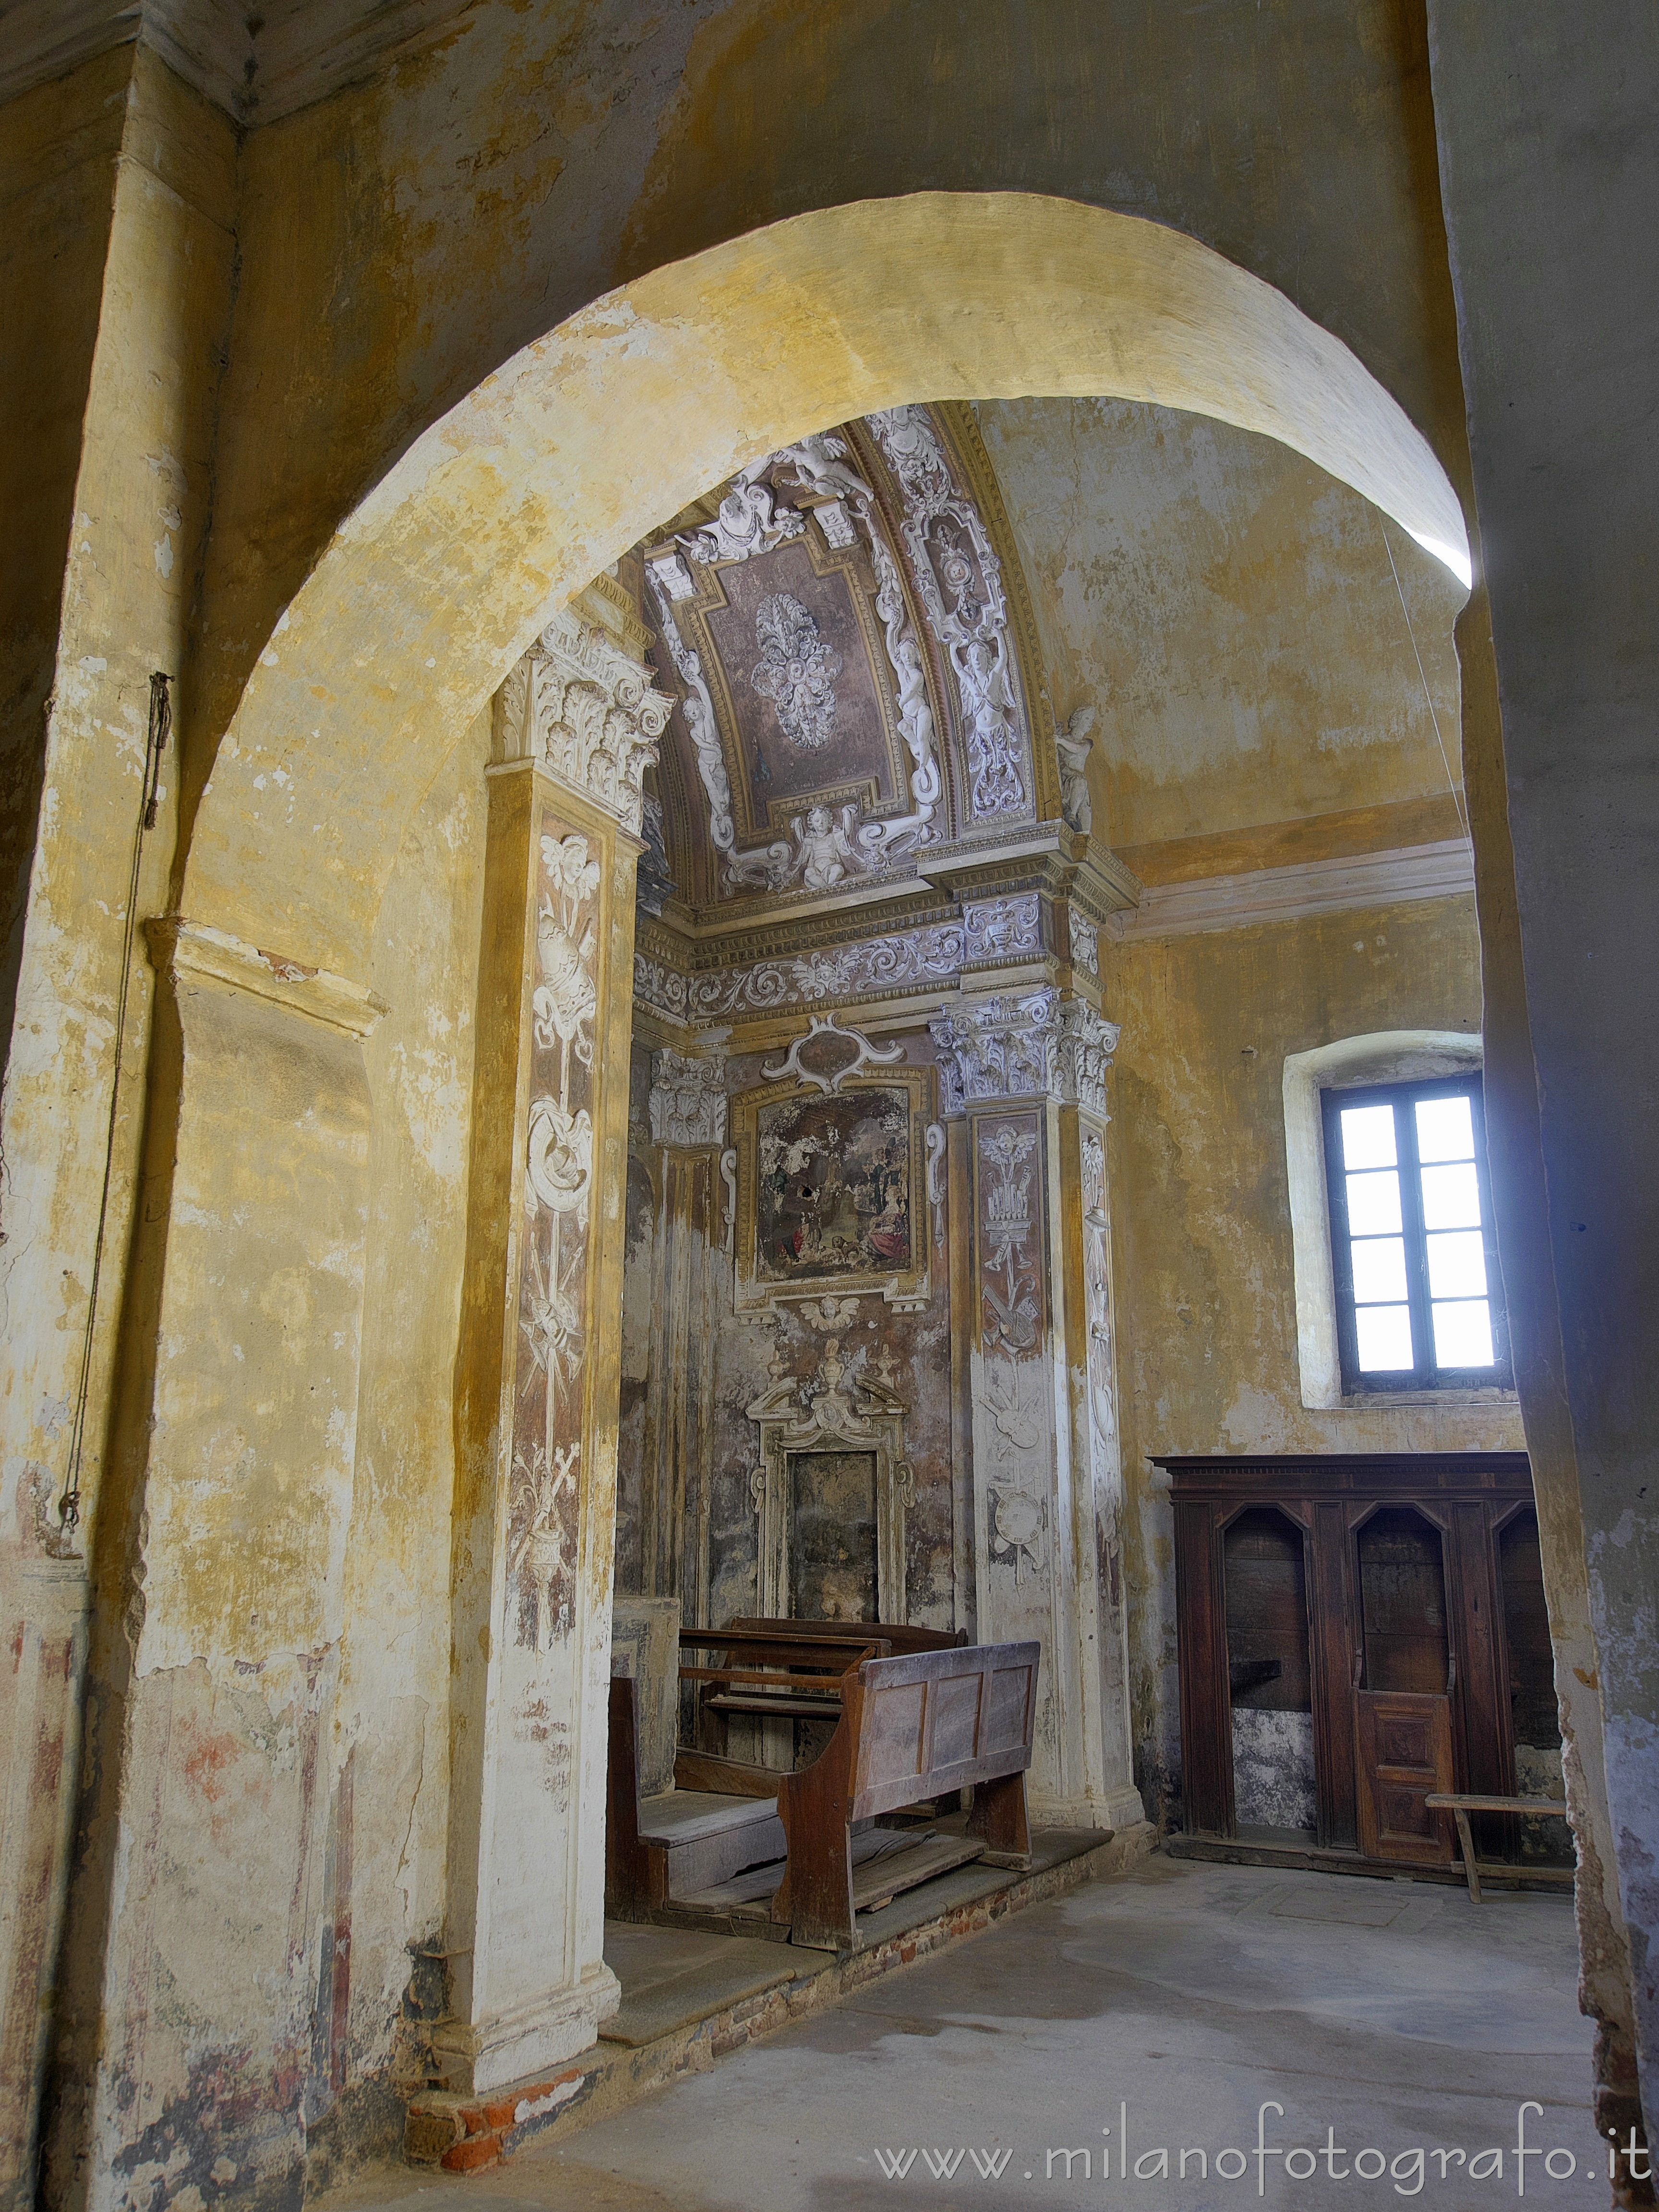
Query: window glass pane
1445	1129
1451	1198
1385	1338
1373	1204
1462	1334
1368	1136
1457	1265
1379	1270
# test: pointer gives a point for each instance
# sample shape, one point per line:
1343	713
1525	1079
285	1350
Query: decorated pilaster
576	724
1022	1074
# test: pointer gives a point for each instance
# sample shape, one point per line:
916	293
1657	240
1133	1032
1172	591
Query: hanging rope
161	725
1451	781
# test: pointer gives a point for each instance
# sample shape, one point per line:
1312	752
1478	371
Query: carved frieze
1085	940
999	929
688	1100
577	703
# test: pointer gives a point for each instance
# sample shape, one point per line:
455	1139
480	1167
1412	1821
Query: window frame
1427	1377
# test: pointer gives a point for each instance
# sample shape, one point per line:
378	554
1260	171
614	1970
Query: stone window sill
1368	1401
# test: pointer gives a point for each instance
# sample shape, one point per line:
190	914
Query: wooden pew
824	1646
658	1849
915	1725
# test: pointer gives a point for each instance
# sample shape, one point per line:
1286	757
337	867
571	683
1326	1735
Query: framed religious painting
832	1188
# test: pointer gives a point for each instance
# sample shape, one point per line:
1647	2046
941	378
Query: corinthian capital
585	710
1087	1041
1000	1046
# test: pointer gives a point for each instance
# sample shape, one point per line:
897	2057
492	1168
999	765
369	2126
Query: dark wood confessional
1396	1600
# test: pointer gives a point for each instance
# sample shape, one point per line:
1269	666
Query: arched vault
622	414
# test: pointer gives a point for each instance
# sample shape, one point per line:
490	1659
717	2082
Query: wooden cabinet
1358	1631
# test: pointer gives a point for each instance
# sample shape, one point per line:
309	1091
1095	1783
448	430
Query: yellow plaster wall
58	147
1201	1213
392	1708
1230	612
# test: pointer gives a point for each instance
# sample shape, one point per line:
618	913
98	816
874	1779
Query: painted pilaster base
475	2055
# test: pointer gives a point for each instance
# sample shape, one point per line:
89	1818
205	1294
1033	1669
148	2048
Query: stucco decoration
839	1406
1001	1046
688	1100
1083	937
958	578
747	521
873	964
1098	1321
544	1513
1012	1418
796	670
936	1147
1088	1041
1072	746
831	1079
658	985
703	729
581	706
729	1181
996	929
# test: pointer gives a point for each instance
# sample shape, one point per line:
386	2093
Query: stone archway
556	463
263	1120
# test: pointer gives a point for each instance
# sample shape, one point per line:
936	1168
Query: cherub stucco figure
825	851
1073	745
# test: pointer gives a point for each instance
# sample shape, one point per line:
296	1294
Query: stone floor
1183	1997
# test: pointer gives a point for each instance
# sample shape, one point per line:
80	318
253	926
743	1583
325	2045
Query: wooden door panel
1405	1746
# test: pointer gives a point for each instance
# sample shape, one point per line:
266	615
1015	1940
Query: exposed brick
428	2135
466	2157
499	2111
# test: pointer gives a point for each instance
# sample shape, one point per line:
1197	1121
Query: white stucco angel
825	853
819	463
1072	746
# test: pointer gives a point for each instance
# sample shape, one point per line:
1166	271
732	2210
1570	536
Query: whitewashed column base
1117	1810
474	2056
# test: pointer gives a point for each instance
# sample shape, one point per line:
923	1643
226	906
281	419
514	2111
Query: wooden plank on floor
894	1872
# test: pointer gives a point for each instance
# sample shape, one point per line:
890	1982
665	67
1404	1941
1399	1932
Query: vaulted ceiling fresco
841	629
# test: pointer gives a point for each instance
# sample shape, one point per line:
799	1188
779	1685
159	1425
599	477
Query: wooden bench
915	1725
912	1726
660	1848
1461	1805
792	1646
